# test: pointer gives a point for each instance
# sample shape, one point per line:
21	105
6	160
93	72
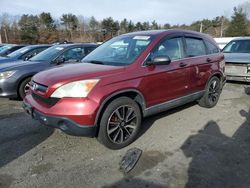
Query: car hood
3	58
82	71
16	65
7	60
237	57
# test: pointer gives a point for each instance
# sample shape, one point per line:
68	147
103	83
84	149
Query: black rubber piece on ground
130	159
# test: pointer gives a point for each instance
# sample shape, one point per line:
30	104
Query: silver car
237	58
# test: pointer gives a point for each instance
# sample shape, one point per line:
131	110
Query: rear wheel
120	123
212	93
24	88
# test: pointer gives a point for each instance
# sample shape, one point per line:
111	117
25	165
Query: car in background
223	41
237	58
24	53
15	77
9	48
2	44
125	79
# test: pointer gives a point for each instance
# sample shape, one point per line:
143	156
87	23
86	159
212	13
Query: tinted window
19	52
48	54
32	53
88	50
238	46
171	48
195	47
73	54
212	49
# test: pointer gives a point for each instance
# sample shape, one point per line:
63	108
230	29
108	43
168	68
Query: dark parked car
14	77
237	58
24	53
1	45
125	79
9	48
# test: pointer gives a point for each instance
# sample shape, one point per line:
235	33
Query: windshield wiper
96	62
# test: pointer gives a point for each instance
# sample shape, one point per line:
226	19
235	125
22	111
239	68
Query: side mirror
160	60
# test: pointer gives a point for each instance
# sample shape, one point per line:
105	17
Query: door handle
209	60
182	64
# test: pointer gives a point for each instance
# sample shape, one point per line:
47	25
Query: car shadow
19	135
247	90
218	160
149	121
133	182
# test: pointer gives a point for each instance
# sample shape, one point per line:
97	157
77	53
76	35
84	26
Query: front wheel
24	88
120	123
212	93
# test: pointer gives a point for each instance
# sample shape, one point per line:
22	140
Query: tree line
43	28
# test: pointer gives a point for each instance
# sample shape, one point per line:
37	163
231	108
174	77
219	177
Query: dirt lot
189	146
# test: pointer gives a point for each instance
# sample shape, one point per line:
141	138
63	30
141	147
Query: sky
162	11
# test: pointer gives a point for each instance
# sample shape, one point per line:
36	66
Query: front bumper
66	125
238	78
8	87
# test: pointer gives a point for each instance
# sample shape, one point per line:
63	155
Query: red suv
125	79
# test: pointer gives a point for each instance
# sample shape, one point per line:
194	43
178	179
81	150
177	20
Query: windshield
237	46
48	54
19	52
121	50
5	47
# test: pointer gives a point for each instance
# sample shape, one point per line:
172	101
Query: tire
212	93
22	87
120	123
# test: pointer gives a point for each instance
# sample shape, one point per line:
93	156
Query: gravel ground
186	147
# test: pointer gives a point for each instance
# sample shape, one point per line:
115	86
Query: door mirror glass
160	60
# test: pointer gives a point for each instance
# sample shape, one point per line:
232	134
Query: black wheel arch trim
21	79
113	95
216	74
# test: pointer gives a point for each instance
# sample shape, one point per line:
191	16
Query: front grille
38	87
49	101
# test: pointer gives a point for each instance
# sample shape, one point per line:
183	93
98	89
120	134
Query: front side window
237	46
119	51
73	54
195	47
172	48
89	49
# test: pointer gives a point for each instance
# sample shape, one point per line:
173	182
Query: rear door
166	82
199	62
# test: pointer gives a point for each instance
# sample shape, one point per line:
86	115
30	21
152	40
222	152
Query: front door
167	82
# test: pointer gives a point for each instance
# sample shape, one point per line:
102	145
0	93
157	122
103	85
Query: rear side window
212	49
32	53
195	47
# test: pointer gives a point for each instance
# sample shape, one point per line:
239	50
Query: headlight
75	89
7	74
